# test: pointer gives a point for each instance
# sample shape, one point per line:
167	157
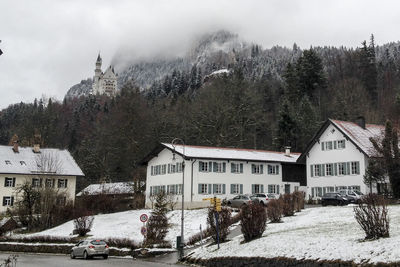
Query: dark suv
333	198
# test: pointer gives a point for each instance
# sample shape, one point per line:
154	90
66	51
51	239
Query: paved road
50	260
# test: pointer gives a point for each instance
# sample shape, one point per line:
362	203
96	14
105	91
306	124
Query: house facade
337	157
221	172
41	168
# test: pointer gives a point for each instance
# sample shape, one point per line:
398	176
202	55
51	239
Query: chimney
36	148
15	146
360	121
287	151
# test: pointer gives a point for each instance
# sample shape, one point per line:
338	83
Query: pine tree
157	226
286	132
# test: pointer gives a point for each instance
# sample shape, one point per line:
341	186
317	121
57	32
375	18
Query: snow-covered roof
359	135
108	188
221	71
204	152
49	160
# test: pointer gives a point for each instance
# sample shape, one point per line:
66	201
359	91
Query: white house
42	168
337	157
221	172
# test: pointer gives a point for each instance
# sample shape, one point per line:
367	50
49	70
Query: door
287	188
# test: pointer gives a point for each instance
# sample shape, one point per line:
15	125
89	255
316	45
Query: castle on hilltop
104	83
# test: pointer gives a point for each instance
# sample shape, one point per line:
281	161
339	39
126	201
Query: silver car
239	201
90	248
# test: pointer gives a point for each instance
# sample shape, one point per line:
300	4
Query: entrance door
287	188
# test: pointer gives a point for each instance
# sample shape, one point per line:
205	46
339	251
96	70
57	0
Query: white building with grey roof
221	172
40	167
337	157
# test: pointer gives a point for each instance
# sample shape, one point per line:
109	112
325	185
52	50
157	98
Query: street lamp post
173	143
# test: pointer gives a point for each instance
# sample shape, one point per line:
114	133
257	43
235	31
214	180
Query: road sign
144	218
210	198
143	230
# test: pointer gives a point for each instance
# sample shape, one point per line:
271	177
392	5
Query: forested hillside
268	99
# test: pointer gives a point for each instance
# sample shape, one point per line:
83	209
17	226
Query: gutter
191	182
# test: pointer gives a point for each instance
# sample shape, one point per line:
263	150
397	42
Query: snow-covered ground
326	233
127	225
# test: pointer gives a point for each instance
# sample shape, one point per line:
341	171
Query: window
341	144
203	189
219	166
154	190
296	188
36	182
328	145
61	200
342	168
355	167
316	192
8	201
62	183
9	182
257	188
329	169
273	169
217	189
204	166
317	170
273	188
174	189
174	168
8	162
236	188
49	183
257	168
236	167
22	162
158	169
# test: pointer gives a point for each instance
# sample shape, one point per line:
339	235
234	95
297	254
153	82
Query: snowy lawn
326	233
127	225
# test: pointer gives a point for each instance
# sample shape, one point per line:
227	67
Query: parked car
333	198
354	196
90	248
273	196
239	201
260	198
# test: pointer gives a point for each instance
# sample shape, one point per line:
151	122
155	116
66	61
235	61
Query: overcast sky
50	45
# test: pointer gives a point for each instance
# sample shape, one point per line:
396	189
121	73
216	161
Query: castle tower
104	83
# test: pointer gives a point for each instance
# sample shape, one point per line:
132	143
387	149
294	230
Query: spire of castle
98	57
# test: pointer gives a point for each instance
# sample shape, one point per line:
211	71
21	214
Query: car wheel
85	255
105	257
72	254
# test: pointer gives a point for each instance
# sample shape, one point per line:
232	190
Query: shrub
372	215
298	199
274	210
83	225
157	226
200	235
253	221
287	205
224	221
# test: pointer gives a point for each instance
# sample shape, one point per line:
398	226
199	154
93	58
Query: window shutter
344	143
335	144
241	167
261	169
168	186
199	191
224	167
323	169
277	188
335	169
348	167
209	188
323	146
358	167
4	201
13	182
253	188
232	168
252	168
232	185
262	188
40	183
277	169
312	170
214	166
210	166
151	170
200	165
5	181
12	201
214	188
241	188
223	189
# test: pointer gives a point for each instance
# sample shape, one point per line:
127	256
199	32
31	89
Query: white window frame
236	189
35	182
353	167
204	189
273	188
218	189
236	167
272	169
341	144
317	170
328	145
341	168
257	186
256	168
61	183
329	169
204	166
219	167
8	182
7	201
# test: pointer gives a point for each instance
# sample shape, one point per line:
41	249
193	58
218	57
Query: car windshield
98	242
358	192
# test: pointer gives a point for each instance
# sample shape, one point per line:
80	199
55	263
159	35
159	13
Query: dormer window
22	162
8	162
